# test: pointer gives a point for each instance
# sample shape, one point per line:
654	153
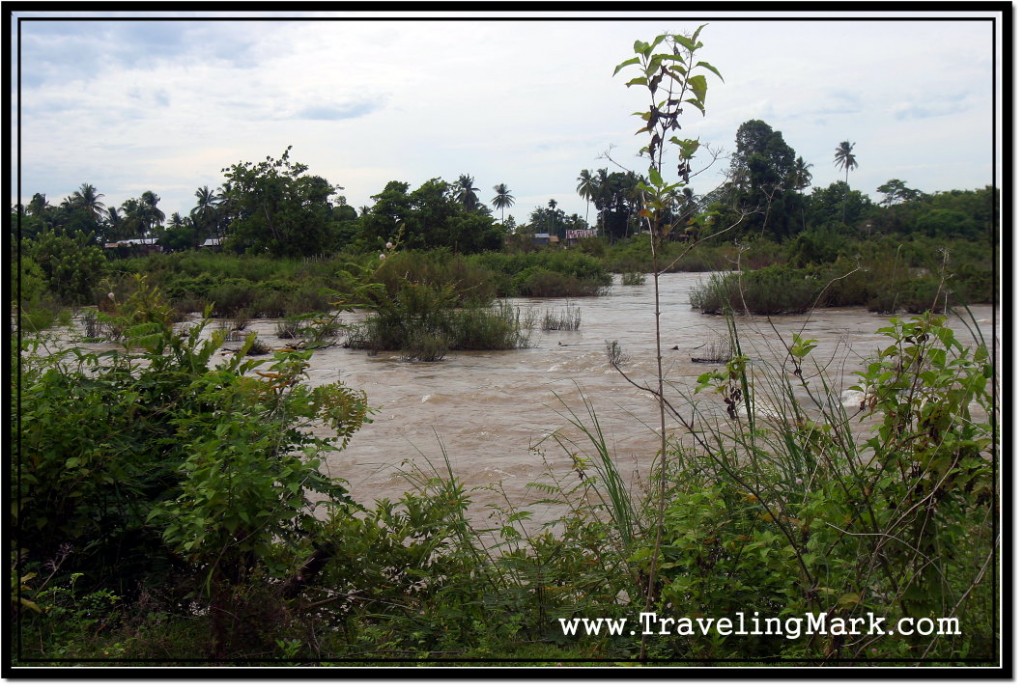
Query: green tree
837	204
588	187
278	209
87	199
72	263
465	192
896	192
204	213
180	233
801	174
845	159
503	199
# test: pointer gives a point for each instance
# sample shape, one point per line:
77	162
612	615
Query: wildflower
390	245
383	256
110	295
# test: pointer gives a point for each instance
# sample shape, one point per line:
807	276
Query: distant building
211	244
575	235
545	239
133	247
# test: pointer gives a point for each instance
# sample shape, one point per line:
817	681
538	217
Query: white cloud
130	106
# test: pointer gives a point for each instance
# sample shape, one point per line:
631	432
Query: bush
775	290
150	469
567	320
790	512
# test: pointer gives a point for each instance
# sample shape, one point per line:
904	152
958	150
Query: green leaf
849	599
655	175
627	63
699	85
711	68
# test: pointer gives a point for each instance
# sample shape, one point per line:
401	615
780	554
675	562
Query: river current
505	418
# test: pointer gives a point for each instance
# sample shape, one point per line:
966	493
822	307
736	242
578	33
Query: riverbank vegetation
169	507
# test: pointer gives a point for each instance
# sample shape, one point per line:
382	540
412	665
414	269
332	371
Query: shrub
634	278
774	290
567	320
792	512
150	468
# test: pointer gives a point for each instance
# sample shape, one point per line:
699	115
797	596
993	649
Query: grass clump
634	278
568	319
774	290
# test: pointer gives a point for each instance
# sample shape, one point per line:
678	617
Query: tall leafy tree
503	199
896	192
278	209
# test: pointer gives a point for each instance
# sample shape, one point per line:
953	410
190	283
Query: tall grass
568	319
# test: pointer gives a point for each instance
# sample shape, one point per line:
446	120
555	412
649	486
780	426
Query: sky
166	103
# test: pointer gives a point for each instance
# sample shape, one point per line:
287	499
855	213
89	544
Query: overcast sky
165	104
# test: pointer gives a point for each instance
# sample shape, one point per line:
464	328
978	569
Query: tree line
277	207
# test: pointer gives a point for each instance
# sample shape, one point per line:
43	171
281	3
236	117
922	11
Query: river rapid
501	420
504	418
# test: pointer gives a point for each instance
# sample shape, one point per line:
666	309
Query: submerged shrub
774	290
567	320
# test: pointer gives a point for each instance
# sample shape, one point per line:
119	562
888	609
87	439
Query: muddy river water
503	418
497	416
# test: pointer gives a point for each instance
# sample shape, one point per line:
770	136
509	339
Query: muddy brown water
497	417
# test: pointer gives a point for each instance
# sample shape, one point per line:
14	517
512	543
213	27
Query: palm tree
587	188
802	173
503	199
845	158
206	200
114	221
600	196
87	198
152	215
134	219
465	192
204	212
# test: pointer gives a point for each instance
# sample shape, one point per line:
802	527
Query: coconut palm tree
204	212
845	159
601	195
587	188
152	215
206	200
503	199
801	173
86	197
133	220
114	222
466	193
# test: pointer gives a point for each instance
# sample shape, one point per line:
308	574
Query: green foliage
435	215
792	512
72	265
773	290
568	319
148	464
634	278
246	472
278	208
